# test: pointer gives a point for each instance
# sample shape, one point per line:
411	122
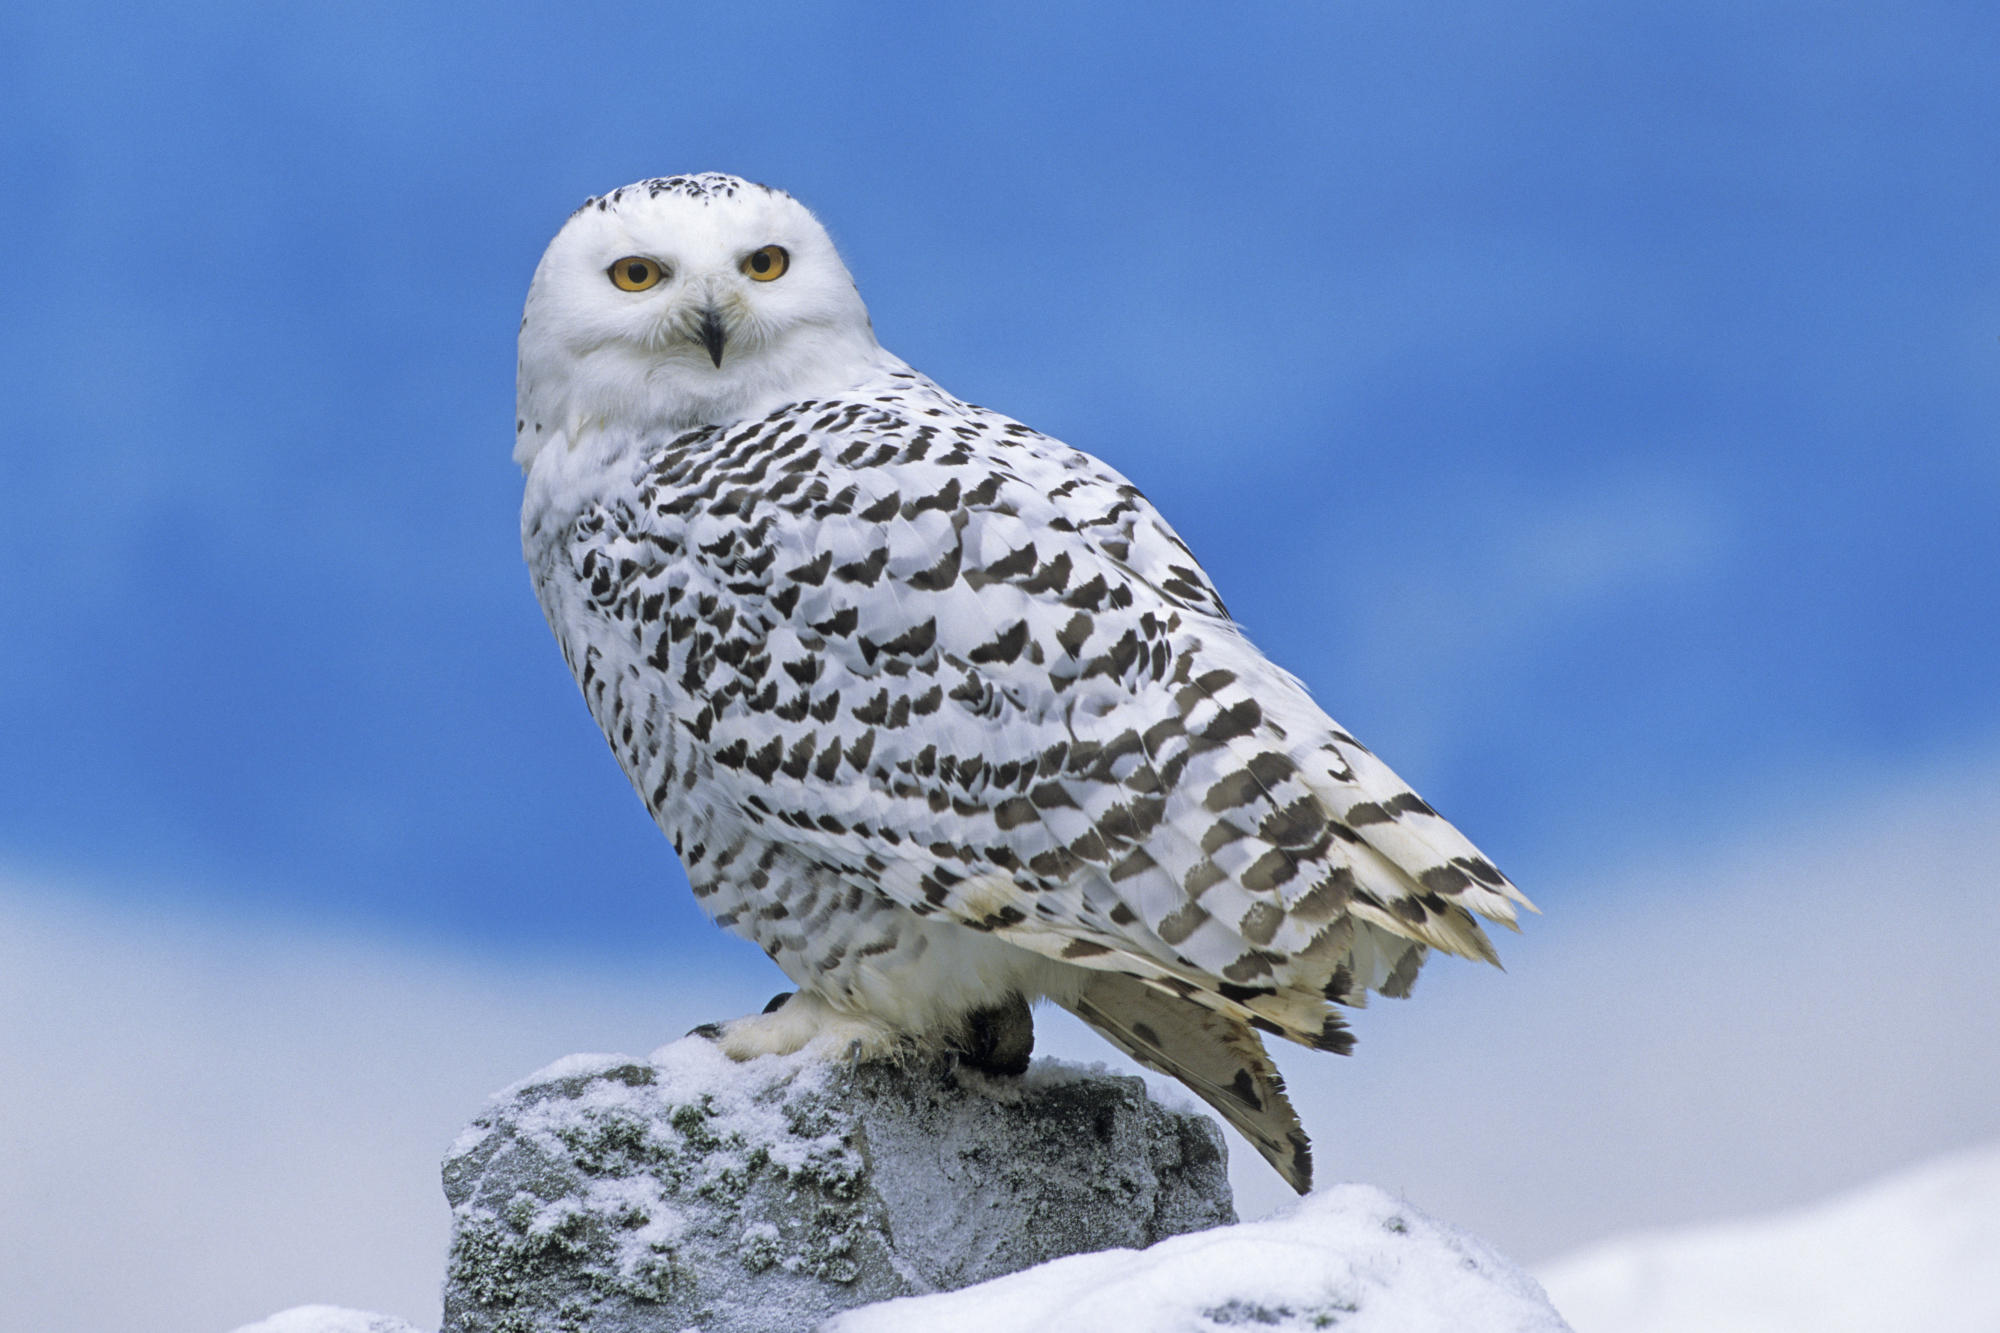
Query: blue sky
1597	408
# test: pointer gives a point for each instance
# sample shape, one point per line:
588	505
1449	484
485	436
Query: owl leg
802	1020
998	1039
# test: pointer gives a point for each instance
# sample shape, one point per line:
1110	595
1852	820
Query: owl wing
978	666
972	669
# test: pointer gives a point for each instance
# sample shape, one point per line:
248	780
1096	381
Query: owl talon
707	1032
777	1001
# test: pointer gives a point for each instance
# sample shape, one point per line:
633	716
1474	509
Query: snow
604	1109
1348	1256
1168	1093
1919	1251
608	1193
1912	1252
327	1319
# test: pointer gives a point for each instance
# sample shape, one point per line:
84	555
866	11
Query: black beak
713	335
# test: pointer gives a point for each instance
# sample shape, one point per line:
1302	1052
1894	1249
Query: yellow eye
635	273
767	264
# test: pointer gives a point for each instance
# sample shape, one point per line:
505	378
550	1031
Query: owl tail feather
1220	1059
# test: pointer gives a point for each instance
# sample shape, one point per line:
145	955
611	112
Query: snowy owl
936	709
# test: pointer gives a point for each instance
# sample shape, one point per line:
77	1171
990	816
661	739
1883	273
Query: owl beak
713	335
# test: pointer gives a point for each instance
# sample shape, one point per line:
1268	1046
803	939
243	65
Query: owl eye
768	264
635	273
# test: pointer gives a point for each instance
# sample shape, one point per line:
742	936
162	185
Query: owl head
685	301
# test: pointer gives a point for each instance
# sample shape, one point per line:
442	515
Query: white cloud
206	1122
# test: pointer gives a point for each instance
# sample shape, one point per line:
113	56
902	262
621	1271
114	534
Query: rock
689	1192
327	1319
1348	1257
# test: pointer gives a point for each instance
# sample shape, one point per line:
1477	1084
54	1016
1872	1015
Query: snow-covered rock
687	1191
327	1319
1348	1257
1916	1253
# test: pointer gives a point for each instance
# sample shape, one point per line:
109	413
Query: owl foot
713	1031
800	1020
999	1039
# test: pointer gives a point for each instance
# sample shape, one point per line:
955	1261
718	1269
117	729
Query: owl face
693	300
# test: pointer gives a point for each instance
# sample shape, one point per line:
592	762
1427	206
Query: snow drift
1918	1251
1348	1257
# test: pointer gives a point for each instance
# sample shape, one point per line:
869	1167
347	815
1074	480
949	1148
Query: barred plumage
936	709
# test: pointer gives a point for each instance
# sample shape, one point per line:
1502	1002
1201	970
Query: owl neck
568	398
